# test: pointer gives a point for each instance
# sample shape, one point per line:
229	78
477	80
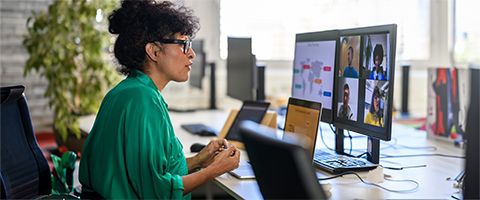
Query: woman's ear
151	50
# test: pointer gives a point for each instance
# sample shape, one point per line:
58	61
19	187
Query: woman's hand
206	155
224	161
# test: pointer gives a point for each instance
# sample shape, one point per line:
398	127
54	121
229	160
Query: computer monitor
241	69
199	64
364	80
314	69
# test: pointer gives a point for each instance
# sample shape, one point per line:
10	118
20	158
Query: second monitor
313	69
245	79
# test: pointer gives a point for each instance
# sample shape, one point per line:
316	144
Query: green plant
62	173
67	45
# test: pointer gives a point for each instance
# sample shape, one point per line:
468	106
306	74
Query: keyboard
199	129
336	164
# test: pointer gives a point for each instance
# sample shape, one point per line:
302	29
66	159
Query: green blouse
132	151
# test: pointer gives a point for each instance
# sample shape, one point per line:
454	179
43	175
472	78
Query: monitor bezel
329	35
365	129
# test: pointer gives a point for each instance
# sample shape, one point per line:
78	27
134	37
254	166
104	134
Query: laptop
302	117
253	111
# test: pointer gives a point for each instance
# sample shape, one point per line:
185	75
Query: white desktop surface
432	178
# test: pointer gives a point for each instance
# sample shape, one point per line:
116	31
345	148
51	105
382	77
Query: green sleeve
148	141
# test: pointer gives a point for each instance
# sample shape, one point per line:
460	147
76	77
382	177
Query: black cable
323	141
331	128
418	155
374	184
360	155
351	146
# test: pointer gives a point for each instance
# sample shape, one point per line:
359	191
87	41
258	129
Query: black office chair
282	167
24	171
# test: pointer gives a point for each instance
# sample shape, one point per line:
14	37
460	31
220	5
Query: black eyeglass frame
187	44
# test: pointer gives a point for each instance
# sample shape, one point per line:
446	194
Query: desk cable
323	141
418	155
394	145
377	185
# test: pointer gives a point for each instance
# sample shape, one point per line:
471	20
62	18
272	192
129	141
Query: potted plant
67	45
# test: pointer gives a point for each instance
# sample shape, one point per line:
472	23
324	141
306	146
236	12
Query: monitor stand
373	146
213	90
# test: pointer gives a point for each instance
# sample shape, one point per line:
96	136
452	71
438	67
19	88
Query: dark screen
253	111
241	69
198	66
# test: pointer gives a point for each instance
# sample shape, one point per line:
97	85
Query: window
467	31
272	25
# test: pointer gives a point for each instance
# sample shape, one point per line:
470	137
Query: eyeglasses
187	44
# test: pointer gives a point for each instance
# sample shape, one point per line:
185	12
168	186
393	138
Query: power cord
376	185
395	145
323	141
402	168
351	146
418	155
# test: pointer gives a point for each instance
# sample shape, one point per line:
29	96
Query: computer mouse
197	147
207	132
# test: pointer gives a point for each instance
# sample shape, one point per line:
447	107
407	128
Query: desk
432	179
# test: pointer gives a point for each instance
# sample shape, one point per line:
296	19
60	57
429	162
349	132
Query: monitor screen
241	69
198	67
364	80
313	69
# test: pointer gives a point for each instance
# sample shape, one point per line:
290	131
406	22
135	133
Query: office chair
282	166
24	171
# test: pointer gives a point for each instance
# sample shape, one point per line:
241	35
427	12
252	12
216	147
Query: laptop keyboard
335	163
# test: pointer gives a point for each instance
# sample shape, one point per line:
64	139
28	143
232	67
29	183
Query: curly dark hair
138	22
378	51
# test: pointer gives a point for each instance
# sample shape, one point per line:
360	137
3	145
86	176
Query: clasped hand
220	156
206	155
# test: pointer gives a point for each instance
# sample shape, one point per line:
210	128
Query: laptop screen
303	118
251	110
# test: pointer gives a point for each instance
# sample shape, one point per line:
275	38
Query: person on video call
377	72
132	151
349	71
345	112
375	114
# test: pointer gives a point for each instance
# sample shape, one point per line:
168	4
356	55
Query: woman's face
377	61
174	64
376	103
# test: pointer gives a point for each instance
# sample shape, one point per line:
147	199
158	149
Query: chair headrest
11	93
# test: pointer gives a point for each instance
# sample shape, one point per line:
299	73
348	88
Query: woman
375	114
132	151
377	72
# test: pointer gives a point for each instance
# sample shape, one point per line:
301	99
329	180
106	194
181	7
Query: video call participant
132	151
378	72
375	114
349	70
345	112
